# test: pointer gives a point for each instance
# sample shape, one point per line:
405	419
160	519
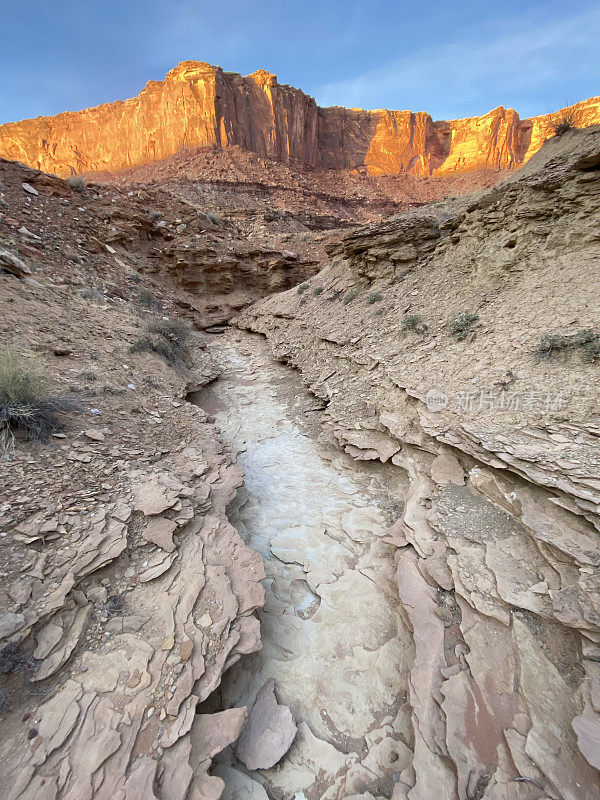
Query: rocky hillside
460	344
199	105
125	591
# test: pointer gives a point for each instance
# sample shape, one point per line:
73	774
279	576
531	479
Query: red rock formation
199	105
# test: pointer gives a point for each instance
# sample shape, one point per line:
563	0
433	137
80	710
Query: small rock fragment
13	264
269	732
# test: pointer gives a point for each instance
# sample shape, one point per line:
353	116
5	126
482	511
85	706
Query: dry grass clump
566	123
26	404
76	183
169	339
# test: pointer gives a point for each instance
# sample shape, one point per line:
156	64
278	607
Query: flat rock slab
269	732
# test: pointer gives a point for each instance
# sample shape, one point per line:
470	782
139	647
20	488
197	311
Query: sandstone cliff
201	105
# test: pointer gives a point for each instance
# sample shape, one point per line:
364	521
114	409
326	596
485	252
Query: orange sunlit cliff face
199	105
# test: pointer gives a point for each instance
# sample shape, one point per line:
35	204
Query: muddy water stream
332	636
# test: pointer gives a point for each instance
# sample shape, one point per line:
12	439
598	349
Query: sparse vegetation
76	183
302	287
376	297
89	293
318	290
350	296
552	343
566	123
26	404
413	322
590	344
156	216
585	339
169	339
461	326
146	298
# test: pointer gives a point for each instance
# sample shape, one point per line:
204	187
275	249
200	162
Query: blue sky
452	59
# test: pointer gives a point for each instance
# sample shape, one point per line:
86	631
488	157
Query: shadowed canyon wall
199	105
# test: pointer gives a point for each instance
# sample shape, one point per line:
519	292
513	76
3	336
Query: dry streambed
333	639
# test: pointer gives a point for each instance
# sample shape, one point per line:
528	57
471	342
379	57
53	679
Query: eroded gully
333	638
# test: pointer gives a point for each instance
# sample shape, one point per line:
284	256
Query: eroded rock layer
200	105
427	339
125	593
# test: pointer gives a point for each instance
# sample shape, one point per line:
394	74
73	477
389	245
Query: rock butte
199	105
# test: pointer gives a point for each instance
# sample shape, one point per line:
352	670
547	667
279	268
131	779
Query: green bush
302	288
350	296
586	339
318	290
552	343
26	404
413	322
461	326
376	297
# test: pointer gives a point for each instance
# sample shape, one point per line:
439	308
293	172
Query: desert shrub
461	326
302	287
155	216
176	331
167	338
146	298
552	343
412	322
350	296
376	297
566	123
76	183
89	293
318	290
585	339
26	404
591	350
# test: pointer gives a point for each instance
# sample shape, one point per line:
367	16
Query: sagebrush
413	322
168	338
460	327
584	340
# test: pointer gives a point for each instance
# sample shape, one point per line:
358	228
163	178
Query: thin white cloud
516	56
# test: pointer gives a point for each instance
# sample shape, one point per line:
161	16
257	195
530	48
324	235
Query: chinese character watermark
472	400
